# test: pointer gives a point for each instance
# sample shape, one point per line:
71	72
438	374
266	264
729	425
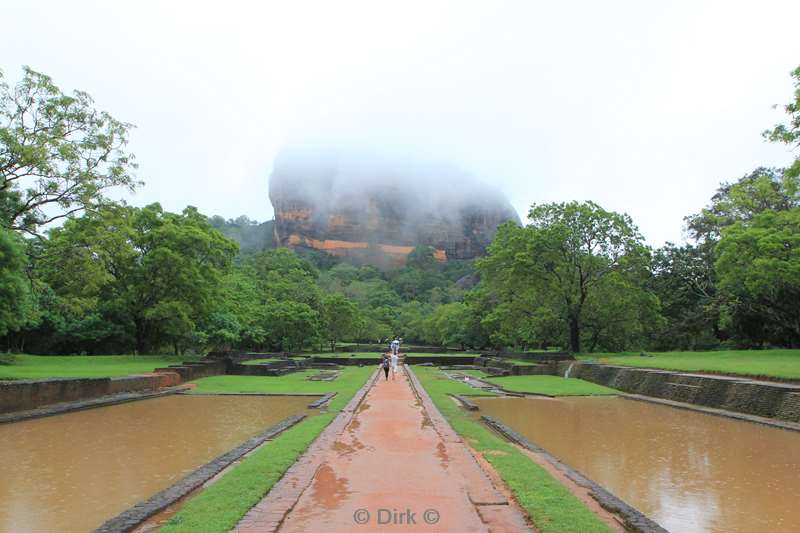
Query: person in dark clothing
386	365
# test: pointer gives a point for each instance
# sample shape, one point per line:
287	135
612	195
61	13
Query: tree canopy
58	154
560	262
151	273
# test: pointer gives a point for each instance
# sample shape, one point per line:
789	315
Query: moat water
72	472
688	471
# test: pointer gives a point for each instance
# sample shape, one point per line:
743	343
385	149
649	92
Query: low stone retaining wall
410	348
409	360
761	398
134	383
503	365
533	370
24	395
29	394
441	360
266	369
192	370
532	356
91	403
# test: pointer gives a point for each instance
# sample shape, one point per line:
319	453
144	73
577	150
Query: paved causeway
392	464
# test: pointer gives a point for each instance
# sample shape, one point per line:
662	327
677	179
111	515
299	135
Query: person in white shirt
394	364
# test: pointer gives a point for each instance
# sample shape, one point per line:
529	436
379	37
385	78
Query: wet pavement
394	465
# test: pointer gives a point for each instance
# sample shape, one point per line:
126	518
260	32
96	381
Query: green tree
339	316
156	273
754	193
290	325
620	313
563	256
15	298
684	280
285	276
58	154
238	318
789	133
373	325
409	320
372	293
446	326
251	235
759	270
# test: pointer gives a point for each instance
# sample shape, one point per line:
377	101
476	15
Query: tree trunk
141	342
574	335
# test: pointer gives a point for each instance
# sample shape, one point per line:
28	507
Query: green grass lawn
260	361
552	506
549	385
783	364
295	382
219	508
347	355
82	366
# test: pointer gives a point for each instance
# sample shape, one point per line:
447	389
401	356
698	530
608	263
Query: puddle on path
328	489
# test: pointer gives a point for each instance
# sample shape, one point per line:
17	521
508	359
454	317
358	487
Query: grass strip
544	384
553	507
261	361
350	379
81	366
219	508
784	364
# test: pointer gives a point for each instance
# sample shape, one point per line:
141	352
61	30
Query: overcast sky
641	106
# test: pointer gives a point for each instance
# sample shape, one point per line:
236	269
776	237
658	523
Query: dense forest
80	273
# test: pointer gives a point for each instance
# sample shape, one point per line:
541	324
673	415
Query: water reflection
72	472
689	471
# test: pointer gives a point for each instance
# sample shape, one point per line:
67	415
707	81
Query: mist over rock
376	208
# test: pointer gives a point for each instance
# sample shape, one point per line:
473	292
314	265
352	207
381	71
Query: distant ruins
376	210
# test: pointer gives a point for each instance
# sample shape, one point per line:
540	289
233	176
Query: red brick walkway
393	464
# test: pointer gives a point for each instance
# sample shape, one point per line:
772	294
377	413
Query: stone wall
23	395
532	356
147	382
28	394
444	360
274	368
761	398
192	370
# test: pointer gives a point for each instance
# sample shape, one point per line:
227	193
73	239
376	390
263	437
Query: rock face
375	210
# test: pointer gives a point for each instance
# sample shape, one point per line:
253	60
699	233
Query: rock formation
375	210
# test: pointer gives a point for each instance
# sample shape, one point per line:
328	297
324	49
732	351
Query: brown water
688	471
74	471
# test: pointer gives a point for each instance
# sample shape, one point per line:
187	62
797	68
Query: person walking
395	346
385	364
395	359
